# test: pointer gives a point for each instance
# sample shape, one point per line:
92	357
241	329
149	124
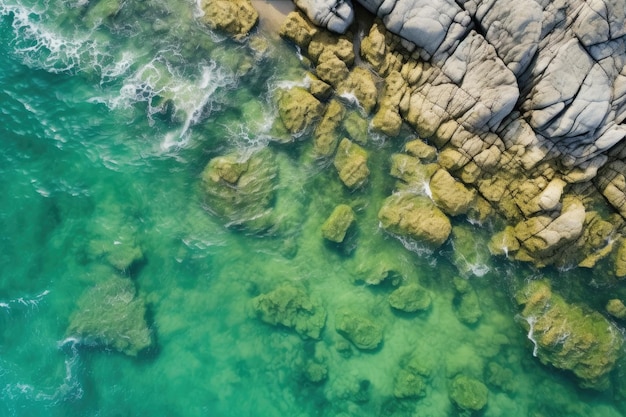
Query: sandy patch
272	13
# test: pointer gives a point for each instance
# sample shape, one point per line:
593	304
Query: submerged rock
466	303
468	394
360	330
412	378
235	17
338	223
416	217
569	337
240	188
410	298
113	316
291	307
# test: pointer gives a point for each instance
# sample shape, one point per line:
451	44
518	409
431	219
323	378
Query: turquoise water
110	112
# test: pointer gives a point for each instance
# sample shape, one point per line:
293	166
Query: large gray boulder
334	15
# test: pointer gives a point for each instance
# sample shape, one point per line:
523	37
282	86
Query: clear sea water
109	112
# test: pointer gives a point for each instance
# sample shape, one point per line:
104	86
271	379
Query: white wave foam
26	301
531	323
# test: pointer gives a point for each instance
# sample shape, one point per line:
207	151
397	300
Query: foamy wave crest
43	47
161	86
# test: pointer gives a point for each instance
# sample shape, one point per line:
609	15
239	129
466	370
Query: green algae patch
468	394
569	337
111	315
415	216
410	298
338	223
363	332
291	307
241	189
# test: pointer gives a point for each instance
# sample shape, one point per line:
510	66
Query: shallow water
110	111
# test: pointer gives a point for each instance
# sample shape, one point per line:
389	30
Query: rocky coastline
517	110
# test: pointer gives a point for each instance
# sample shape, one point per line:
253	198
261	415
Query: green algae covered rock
470	255
291	307
351	163
235	17
360	330
449	194
616	308
468	394
410	298
411	170
336	226
240	189
415	216
111	315
412	378
326	134
298	29
356	127
298	109
419	149
620	260
569	337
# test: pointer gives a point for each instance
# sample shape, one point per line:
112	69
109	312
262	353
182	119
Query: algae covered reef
244	213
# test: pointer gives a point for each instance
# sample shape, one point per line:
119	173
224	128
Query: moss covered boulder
290	306
298	109
336	226
235	17
468	394
568	336
351	163
240	189
620	260
410	298
113	316
359	329
415	216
